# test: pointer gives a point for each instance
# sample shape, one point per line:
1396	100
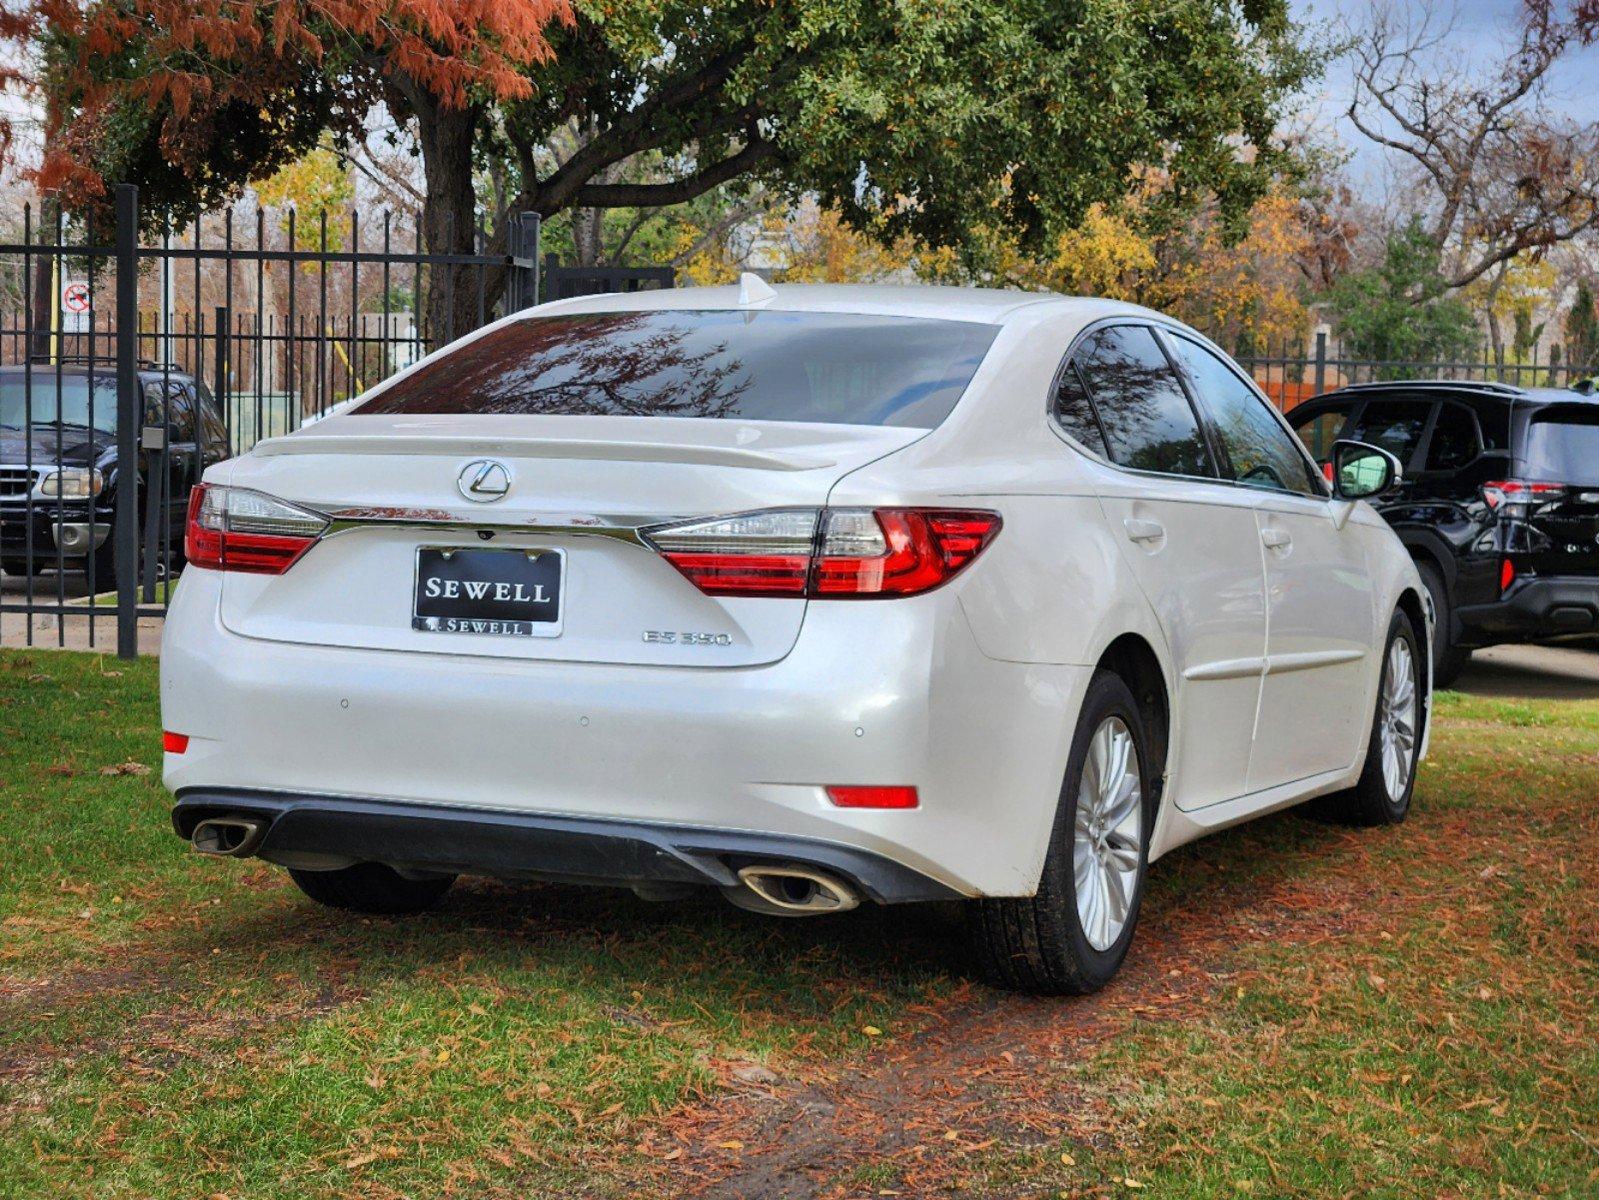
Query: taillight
752	554
1507	575
235	529
1518	491
834	553
174	743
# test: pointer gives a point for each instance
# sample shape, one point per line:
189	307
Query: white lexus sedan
814	595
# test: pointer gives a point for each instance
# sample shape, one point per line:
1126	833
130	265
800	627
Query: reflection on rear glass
1562	448
841	368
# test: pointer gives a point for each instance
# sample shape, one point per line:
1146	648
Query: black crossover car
1499	505
59	468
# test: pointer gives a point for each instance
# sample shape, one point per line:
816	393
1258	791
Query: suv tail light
1518	491
235	529
832	553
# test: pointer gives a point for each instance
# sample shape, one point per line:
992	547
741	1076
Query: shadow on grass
609	940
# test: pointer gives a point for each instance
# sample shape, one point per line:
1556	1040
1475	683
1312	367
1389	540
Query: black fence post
1321	363
130	417
219	368
532	232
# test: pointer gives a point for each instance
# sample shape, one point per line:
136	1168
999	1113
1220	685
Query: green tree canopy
916	117
1402	310
1582	331
920	117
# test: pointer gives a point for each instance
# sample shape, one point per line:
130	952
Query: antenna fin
752	289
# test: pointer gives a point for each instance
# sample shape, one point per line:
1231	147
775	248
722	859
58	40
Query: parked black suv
1499	505
57	501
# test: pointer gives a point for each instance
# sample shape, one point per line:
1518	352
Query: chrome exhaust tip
228	837
792	891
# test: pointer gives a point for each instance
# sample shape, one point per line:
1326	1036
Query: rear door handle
1275	539
1144	531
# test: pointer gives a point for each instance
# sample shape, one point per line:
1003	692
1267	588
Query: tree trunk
588	236
42	287
447	218
588	225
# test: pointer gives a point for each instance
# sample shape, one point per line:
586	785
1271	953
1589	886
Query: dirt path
993	1070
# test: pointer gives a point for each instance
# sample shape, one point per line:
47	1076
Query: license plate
497	593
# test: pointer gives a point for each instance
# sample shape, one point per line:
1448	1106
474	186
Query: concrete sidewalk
72	632
1533	673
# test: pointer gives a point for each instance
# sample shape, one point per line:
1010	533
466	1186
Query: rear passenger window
1149	424
1395	425
1075	412
1454	439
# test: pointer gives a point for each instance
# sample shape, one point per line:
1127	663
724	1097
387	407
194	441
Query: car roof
1473	388
990	306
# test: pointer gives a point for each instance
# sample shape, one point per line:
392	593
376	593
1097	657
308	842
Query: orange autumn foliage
198	57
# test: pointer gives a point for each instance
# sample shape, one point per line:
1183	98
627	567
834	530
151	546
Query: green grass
1405	1012
1441	1040
173	1025
163	594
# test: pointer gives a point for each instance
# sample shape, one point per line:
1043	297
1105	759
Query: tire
1376	799
14	566
104	567
1042	943
1448	659
372	888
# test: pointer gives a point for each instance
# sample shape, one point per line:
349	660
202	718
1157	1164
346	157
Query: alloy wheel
1108	833
1397	718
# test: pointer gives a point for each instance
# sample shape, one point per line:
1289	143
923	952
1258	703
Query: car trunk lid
579	487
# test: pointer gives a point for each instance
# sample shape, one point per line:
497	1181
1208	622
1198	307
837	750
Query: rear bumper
894	693
1534	610
330	832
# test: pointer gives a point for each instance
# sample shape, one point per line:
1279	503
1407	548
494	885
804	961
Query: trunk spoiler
604	449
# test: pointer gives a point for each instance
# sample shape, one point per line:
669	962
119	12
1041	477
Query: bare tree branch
625	195
1506	177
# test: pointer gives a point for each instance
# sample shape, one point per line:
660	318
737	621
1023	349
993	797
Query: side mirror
1363	472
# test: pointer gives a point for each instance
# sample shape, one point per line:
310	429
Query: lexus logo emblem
484	480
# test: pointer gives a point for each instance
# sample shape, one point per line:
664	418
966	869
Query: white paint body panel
314	681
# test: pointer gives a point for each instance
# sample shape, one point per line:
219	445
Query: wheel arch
1132	659
1414	607
1426	547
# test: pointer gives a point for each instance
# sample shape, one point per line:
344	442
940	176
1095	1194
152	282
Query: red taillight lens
1518	491
1327	471
874	797
1507	575
836	553
235	529
174	743
917	549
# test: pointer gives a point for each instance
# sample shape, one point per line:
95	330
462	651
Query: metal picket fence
177	350
1292	375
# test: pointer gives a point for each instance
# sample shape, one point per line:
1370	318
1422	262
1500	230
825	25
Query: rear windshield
1561	447
839	368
